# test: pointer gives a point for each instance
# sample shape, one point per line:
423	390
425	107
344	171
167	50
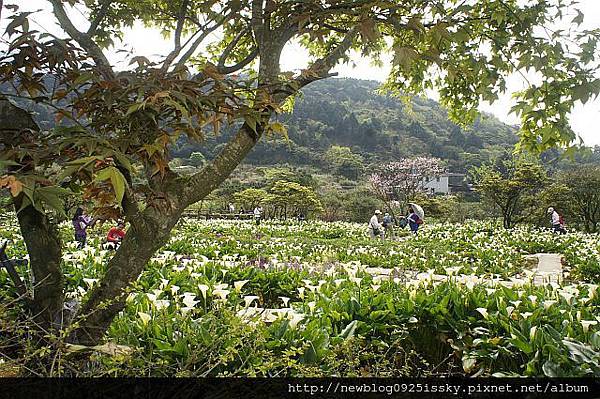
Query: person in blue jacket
414	221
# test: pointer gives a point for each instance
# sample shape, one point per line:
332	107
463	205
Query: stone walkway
546	268
549	269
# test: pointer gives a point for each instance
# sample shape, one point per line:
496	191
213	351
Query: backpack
561	221
386	221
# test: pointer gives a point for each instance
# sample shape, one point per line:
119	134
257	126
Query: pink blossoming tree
397	183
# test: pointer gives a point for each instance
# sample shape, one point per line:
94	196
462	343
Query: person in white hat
557	222
375	228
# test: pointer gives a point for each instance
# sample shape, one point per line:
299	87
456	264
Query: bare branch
180	21
203	35
321	67
225	70
177	36
227	52
84	40
334	28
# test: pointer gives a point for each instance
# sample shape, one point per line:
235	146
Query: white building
447	183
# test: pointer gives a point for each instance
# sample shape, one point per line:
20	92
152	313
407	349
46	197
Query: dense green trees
511	184
575	194
344	162
282	200
250	198
289	199
352	113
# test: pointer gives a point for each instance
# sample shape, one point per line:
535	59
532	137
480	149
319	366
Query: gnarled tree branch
84	40
225	70
230	47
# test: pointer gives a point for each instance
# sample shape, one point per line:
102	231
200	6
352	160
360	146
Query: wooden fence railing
204	215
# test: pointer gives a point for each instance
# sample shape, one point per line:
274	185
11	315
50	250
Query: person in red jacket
116	234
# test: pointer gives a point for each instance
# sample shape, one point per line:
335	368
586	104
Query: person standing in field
375	228
558	224
81	222
388	226
258	214
414	221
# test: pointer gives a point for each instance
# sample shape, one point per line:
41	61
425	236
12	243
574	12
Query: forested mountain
380	128
369	127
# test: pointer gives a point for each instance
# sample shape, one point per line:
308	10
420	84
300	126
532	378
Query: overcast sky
143	41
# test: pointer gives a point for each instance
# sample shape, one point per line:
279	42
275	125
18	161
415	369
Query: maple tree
115	127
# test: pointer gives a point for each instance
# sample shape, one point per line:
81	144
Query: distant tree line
520	189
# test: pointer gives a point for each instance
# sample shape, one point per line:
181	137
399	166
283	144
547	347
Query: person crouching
115	235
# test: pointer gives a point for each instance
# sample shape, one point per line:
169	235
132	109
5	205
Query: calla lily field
229	298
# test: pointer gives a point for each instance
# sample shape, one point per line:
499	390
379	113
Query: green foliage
196	309
440	207
147	109
344	162
274	174
511	184
290	198
360	204
575	194
250	198
122	124
379	128
197	159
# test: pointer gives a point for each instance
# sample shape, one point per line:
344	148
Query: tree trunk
150	231
45	255
41	237
506	222
145	236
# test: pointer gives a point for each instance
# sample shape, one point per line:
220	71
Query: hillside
349	112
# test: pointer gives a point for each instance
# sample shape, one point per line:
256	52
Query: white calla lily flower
239	284
145	317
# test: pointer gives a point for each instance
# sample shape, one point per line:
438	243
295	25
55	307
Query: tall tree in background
250	198
292	199
511	184
122	123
